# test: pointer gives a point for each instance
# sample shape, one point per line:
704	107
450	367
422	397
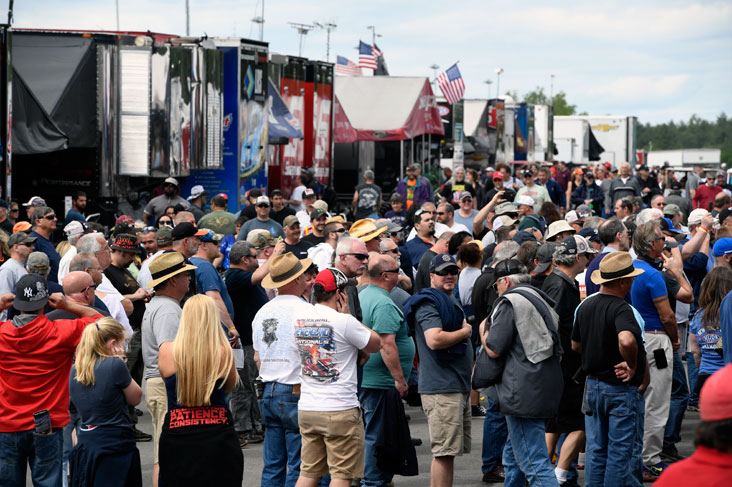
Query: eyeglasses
661	204
360	256
50	217
447	272
440	213
393	271
149	229
262	206
14	210
395	250
469	200
27	244
165	222
340	230
659	238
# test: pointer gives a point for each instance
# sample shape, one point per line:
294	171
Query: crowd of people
590	305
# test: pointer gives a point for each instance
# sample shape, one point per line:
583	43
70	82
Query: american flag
346	67
451	84
367	55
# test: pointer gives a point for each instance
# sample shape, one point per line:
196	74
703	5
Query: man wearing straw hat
607	334
366	231
276	354
170	281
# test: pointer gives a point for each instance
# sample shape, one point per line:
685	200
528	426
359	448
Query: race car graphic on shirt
317	351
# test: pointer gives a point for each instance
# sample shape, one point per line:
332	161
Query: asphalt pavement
467	467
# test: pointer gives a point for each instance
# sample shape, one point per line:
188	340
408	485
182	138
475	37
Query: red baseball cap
331	279
715	399
498	175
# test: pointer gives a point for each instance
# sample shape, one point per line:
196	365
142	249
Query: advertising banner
253	118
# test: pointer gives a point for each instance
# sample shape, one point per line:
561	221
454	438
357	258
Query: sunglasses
440	213
93	286
340	230
469	200
27	244
50	217
149	229
14	210
262	206
360	256
165	222
394	271
448	272
393	251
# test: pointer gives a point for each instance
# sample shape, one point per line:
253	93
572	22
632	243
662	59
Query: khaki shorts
332	442
448	417
157	404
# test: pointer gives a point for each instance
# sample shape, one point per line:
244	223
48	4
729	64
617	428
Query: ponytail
93	346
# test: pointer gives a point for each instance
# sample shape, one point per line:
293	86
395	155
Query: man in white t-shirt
276	355
328	347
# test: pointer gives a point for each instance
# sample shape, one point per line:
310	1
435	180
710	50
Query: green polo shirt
382	315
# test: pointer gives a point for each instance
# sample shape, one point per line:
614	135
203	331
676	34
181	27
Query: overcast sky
658	60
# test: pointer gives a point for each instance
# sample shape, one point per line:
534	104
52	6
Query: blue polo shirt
208	279
46	246
648	286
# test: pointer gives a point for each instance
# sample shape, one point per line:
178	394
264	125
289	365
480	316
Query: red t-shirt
35	362
707	467
705	195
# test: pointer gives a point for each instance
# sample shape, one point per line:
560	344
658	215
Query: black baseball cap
31	293
508	267
185	230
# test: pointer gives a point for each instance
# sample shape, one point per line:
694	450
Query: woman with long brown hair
101	388
705	330
198	443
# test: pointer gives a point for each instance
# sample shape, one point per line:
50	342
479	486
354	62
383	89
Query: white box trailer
615	133
710	158
572	139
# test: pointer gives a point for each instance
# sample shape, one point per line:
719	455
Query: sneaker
243	441
142	436
416	441
138	413
671	454
693	407
477	410
652	472
495	476
255	437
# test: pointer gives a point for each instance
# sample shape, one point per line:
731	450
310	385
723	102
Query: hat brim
598	279
268	283
155	282
122	249
371	235
30	306
542	267
444	266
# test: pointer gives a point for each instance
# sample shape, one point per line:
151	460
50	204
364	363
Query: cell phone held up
42	420
660	357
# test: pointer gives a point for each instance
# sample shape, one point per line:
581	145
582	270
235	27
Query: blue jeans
44	453
372	401
495	433
679	401
611	425
693	373
281	435
525	456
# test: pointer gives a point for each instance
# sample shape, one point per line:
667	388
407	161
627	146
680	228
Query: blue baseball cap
723	246
668	226
210	236
441	262
590	234
523	236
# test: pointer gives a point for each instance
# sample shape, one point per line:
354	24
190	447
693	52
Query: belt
657	332
295	387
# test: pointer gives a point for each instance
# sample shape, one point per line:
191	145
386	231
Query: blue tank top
218	397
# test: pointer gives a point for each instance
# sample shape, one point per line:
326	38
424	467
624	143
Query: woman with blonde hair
101	388
198	443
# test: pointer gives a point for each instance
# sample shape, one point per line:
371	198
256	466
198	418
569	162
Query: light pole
551	90
260	20
499	72
328	26
489	82
374	35
434	69
302	31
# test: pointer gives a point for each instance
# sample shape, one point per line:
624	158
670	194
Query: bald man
184	216
79	288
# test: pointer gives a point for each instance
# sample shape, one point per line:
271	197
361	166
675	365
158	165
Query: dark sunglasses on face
468	200
148	229
448	272
360	256
394	271
262	206
440	213
340	230
14	210
50	217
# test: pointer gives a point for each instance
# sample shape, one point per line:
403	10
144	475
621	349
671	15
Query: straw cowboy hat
167	265
284	269
365	230
616	265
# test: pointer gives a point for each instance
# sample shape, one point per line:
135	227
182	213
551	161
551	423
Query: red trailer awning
385	108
